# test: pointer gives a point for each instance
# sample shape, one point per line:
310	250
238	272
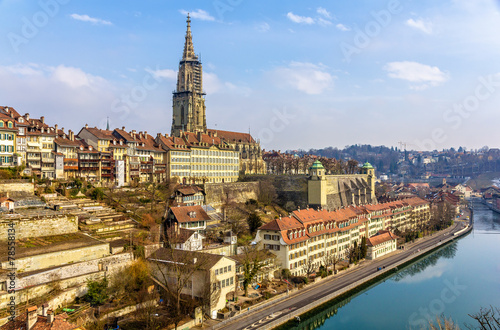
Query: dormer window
21	120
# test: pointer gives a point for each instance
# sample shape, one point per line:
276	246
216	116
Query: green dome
367	165
317	165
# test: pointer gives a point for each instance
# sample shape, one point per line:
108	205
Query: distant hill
483	180
383	158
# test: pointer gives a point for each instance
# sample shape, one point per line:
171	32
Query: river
456	280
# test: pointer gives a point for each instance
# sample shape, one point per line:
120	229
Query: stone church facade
189	111
336	191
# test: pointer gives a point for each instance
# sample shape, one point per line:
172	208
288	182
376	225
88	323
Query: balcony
89	168
71	167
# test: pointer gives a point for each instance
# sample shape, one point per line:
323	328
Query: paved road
304	297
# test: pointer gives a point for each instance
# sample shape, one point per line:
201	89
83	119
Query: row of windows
193	224
223	283
6	136
213	153
9	124
205	160
6	159
272	247
272	237
6	148
223	270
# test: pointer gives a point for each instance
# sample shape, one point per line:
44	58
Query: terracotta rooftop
189	213
381	237
59	323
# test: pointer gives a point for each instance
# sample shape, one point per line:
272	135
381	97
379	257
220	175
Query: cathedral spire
188	45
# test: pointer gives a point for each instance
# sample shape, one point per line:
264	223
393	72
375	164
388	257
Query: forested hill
383	158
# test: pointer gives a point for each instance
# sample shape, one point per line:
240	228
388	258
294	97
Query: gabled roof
381	237
206	260
189	213
101	134
179	236
233	136
189	190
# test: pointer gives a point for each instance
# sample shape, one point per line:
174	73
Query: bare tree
252	264
175	271
330	259
309	266
488	318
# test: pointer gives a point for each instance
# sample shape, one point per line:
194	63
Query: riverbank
283	309
370	280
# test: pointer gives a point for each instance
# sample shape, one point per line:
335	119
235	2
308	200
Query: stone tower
316	186
189	99
369	171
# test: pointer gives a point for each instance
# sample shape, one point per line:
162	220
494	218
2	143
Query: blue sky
296	74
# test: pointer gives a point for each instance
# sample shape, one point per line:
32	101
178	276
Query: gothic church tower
189	98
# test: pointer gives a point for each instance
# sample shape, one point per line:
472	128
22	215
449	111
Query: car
379	268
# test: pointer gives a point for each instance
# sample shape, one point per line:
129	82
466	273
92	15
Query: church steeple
189	98
188	45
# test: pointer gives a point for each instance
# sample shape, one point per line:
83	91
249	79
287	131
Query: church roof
229	136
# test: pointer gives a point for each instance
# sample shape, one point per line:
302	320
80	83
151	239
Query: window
267	236
229	268
216	272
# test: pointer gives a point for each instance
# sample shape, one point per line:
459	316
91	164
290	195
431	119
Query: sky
296	74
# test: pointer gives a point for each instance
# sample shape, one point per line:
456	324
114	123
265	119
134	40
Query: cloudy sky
296	74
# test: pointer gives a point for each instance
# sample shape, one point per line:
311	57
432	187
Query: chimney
42	119
146	134
31	317
50	316
27	116
11	114
86	125
123	128
55	128
62	129
166	135
71	135
45	308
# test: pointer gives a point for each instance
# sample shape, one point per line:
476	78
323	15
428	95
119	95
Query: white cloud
262	27
323	22
165	73
213	85
414	72
310	20
24	69
92	20
305	77
420	24
323	12
342	27
300	19
198	14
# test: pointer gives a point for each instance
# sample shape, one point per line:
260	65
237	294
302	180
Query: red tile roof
381	237
233	136
189	213
59	323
